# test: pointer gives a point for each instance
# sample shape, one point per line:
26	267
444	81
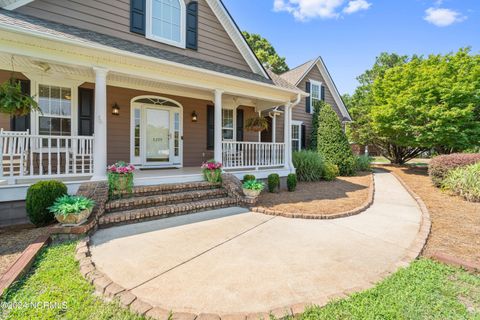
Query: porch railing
246	155
23	155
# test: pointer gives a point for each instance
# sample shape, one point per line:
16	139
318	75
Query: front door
156	139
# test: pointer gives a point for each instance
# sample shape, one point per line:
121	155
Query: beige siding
299	112
113	18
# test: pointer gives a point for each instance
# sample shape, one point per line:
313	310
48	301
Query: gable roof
296	75
222	14
17	21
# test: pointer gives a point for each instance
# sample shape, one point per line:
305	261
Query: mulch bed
455	221
322	198
14	241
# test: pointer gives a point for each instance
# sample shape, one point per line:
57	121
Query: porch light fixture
194	116
116	109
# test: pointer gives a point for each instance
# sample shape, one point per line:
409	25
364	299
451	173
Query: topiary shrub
364	163
332	141
40	197
273	182
465	182
441	165
249	177
309	165
292	182
330	171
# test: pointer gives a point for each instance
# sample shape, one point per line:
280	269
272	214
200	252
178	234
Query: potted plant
72	210
253	188
256	124
13	101
120	180
212	171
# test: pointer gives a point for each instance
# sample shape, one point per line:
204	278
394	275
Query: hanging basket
13	101
256	124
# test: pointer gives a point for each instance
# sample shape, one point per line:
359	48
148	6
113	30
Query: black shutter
86	112
21	123
304	137
308	99
322	93
210	127
240	118
192	25
137	16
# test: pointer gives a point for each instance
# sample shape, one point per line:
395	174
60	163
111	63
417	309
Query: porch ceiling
41	68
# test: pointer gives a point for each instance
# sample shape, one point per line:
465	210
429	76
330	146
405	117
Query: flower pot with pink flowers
120	180
212	171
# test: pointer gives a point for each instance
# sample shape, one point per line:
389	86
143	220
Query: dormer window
166	20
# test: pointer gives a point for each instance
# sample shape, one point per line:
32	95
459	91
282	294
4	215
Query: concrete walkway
230	261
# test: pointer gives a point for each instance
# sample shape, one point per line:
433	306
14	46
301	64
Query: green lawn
425	290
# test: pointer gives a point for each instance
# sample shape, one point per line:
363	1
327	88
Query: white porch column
218	125
274	127
100	133
287	134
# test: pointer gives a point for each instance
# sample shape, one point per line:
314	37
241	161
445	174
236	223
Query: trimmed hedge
249	177
441	165
330	172
333	143
41	196
273	183
309	165
292	182
465	182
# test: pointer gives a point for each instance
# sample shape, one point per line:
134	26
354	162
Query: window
56	106
315	94
227	124
296	135
166	21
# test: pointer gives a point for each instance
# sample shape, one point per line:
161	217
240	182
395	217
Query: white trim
330	84
229	25
183	23
16	4
299	124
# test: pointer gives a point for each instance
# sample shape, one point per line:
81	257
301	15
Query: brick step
139	215
141	191
163	199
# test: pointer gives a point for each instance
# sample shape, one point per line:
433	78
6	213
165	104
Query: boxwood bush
330	171
441	165
464	181
292	182
249	177
309	165
333	143
273	182
41	196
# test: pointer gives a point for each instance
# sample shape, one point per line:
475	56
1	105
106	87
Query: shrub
332	141
249	177
309	165
440	166
273	182
464	181
330	171
364	163
40	197
292	182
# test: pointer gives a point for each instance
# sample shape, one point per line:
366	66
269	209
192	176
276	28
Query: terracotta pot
251	193
74	219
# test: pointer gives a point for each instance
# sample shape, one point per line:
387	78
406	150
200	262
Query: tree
315	123
332	141
266	53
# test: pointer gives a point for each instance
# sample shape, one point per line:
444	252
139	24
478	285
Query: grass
55	278
419	162
424	290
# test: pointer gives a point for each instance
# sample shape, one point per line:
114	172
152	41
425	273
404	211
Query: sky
349	34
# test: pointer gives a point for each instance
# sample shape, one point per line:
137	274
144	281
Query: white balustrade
246	155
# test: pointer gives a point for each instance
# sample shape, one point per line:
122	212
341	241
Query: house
165	85
314	78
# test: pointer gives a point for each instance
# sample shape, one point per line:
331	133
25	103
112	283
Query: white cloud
308	9
356	5
443	17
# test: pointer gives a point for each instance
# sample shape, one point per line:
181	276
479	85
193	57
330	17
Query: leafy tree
266	53
332	142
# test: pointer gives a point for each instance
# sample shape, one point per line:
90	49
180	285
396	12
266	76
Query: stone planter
74	220
252	194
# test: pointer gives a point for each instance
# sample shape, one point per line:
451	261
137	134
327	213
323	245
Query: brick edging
295	215
110	290
23	263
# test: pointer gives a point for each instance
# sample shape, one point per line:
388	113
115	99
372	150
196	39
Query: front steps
163	201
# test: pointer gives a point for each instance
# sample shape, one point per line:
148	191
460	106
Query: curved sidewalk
235	262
